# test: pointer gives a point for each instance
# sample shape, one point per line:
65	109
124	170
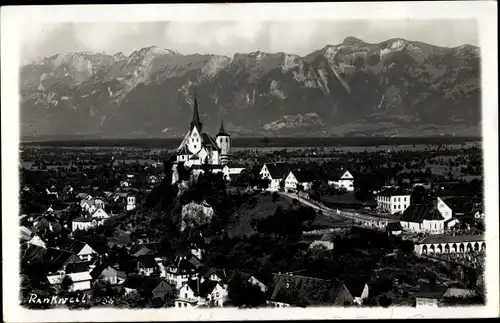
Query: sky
230	37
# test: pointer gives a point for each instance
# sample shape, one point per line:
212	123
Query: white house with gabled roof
342	179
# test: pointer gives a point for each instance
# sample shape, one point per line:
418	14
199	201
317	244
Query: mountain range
393	88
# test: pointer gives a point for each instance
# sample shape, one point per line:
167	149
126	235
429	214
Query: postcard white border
12	19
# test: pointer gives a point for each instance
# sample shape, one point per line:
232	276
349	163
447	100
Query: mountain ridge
394	87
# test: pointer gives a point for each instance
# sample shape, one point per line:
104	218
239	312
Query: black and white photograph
250	161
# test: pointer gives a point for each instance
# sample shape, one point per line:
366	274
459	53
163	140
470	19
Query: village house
142	249
54	260
85	222
147	265
130	203
458	207
429	295
249	278
79	248
275	173
195	293
108	273
80	281
394	228
147	286
214	274
229	170
297	179
119	239
99	214
46	222
301	291
183	269
393	200
342	179
422	218
36	240
91	205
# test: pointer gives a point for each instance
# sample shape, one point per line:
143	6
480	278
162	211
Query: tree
102	291
384	301
244	179
282	184
131	300
263	183
418	196
244	294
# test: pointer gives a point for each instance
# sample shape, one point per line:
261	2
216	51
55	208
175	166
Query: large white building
393	200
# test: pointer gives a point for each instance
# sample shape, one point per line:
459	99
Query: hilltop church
199	148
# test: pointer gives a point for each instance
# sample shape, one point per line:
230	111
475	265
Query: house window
217	294
185	295
179	304
185	305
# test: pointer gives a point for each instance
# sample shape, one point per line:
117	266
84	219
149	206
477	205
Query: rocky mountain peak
352	41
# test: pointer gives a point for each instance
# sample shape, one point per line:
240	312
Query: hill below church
393	88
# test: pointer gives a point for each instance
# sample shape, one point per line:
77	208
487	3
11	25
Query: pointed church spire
195	121
222	131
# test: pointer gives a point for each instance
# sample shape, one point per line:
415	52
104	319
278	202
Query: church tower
224	142
194	140
195	121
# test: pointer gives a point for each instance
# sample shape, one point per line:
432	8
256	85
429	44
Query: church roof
183	151
195	121
209	141
222	130
417	213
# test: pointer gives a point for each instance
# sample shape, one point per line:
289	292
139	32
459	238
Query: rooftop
304	291
417	213
393	191
278	170
304	176
431	291
337	174
462	204
73	245
452	239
